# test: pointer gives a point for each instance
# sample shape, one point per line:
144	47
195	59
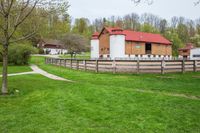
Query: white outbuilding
195	54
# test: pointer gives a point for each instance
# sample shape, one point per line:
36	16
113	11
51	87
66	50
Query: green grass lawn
100	103
16	69
78	56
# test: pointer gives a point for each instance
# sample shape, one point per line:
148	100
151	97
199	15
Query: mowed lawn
16	69
101	103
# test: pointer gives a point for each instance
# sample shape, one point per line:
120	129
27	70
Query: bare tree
74	44
13	13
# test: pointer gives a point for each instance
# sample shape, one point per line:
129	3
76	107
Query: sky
106	8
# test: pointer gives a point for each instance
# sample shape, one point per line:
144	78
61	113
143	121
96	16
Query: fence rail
128	66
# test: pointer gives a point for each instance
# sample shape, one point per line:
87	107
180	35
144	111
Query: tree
82	27
74	44
174	38
196	40
182	31
148	28
13	13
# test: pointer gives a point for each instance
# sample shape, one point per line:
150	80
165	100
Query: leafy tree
182	31
196	40
82	27
172	35
148	28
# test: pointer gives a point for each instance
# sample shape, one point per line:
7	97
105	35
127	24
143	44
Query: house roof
188	46
52	42
138	36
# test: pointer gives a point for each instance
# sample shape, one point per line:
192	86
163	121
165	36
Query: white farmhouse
52	47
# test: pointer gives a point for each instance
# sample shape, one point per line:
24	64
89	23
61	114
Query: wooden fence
128	66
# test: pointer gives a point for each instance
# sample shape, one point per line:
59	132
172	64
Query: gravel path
36	69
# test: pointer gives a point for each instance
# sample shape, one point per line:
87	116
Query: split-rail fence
128	66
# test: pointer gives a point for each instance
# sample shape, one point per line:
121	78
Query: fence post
71	63
163	67
60	62
85	65
114	66
183	66
97	66
77	64
138	66
195	66
65	61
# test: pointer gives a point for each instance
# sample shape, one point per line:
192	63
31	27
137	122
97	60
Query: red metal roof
145	37
95	35
138	36
188	46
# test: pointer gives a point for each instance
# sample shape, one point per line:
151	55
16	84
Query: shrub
19	54
41	51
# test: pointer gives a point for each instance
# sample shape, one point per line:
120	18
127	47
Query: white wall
95	48
55	51
195	52
117	46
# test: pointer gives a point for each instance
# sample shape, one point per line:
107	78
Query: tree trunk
5	69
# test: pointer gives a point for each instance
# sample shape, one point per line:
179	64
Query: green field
16	69
101	103
78	56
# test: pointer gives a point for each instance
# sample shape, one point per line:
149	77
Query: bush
41	51
19	54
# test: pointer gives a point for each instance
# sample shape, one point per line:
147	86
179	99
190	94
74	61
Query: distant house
115	43
185	52
53	47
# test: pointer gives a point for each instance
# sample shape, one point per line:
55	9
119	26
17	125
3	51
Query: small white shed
195	54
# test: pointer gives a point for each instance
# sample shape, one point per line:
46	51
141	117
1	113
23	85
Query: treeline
55	21
179	30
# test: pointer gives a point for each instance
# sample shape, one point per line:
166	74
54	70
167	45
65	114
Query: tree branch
18	22
23	38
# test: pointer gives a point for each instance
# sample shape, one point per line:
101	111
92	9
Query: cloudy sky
105	8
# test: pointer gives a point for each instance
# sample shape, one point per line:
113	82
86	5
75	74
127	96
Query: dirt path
36	69
170	94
